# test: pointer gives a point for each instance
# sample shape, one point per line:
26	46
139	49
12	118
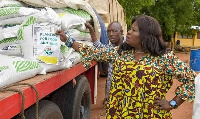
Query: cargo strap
8	88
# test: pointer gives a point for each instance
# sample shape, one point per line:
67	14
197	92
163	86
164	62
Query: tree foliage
173	15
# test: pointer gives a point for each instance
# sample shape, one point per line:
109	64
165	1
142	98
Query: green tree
173	15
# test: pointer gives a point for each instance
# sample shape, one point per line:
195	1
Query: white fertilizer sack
66	51
73	59
15	69
11	50
13	20
79	35
8	32
72	21
52	3
11	3
52	67
8	41
9	12
79	12
37	36
63	62
39	42
47	15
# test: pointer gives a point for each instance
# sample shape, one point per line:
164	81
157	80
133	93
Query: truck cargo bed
11	102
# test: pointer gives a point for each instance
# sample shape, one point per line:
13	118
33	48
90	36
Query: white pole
95	84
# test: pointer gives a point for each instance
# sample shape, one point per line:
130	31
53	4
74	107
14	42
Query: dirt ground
182	112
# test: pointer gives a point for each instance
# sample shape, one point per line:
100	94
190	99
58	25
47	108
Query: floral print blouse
170	64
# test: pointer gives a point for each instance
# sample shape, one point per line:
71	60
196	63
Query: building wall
193	41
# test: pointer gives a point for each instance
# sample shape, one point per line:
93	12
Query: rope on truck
8	88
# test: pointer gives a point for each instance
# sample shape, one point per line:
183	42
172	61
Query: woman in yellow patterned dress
142	73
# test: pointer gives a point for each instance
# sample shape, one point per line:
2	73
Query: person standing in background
115	35
102	66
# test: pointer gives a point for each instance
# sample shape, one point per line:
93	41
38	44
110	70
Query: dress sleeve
181	71
90	53
98	44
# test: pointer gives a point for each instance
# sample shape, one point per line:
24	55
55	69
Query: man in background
115	36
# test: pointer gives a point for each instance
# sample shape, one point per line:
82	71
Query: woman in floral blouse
143	73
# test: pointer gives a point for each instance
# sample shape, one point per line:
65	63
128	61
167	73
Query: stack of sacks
14	69
73	16
31	32
12	14
73	23
19	25
75	4
52	3
38	40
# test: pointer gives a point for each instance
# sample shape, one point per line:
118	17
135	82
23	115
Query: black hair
150	35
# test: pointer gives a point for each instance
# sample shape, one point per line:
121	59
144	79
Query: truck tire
74	102
47	110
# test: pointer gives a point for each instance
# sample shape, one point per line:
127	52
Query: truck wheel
75	103
47	110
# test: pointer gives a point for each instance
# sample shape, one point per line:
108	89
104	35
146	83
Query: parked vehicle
64	94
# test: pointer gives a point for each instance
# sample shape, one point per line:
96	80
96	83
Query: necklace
139	52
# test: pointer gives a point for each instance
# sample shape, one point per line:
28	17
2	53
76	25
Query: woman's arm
64	38
183	73
165	104
89	53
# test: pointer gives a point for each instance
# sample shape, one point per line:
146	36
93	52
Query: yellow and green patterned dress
135	83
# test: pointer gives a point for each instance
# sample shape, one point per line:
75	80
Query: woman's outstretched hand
63	37
162	104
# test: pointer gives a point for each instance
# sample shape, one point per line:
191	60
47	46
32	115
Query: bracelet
69	42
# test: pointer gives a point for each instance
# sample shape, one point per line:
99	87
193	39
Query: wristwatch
173	104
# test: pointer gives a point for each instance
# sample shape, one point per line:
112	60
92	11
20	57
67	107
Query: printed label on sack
46	44
12	47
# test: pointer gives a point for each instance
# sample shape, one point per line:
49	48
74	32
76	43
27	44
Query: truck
66	93
61	94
